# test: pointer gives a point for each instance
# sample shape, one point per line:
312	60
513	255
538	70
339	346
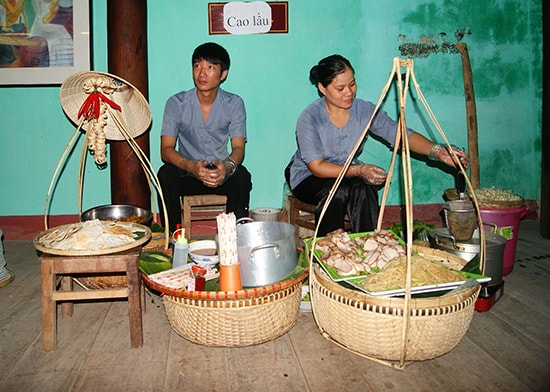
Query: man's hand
212	175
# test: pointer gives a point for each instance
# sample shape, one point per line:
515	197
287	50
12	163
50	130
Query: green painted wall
271	73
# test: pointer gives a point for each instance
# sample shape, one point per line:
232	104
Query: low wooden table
66	266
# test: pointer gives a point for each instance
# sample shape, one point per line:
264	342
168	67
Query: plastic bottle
181	249
176	234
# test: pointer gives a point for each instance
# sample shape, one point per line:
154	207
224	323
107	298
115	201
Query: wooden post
471	115
545	138
127	49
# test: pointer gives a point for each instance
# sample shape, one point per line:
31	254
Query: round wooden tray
134	227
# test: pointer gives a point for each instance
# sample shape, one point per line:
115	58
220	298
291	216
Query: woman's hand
371	174
441	153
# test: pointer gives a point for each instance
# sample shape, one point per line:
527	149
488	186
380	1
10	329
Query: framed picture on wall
43	41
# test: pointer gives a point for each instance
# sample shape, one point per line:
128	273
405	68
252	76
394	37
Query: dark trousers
353	196
176	183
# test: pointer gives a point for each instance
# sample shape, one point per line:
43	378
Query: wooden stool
303	215
65	266
206	207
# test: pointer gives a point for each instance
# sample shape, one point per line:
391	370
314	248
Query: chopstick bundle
227	234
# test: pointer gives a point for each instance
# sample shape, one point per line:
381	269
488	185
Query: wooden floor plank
524	319
197	367
512	350
36	368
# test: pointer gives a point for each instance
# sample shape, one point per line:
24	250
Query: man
203	121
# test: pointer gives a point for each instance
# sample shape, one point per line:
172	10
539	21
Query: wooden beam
127	50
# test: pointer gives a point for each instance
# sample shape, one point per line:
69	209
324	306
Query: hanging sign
255	17
247	18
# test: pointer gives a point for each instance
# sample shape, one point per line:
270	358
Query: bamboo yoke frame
401	143
144	161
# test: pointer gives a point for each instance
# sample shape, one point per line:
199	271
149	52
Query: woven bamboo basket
372	326
393	330
452	194
95	282
233	319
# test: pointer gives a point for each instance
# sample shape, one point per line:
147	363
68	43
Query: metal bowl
120	212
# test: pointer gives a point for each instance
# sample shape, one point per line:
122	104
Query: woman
326	132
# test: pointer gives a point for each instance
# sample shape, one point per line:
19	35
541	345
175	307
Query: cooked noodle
424	272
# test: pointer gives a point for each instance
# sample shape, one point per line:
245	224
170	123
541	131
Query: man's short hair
212	53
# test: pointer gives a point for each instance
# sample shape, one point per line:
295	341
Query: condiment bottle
177	234
181	249
196	279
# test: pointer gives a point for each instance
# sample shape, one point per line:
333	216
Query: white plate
420	289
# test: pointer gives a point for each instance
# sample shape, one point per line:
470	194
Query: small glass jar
197	279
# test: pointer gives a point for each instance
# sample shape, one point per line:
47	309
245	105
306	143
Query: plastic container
179	231
181	250
265	214
506	223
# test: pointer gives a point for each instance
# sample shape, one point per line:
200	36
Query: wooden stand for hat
113	120
53	266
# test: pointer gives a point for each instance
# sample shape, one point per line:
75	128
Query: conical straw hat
135	111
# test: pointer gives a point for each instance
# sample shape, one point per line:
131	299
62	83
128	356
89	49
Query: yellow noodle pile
424	272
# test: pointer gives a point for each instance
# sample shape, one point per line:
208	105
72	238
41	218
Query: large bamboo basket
372	326
391	330
233	319
452	194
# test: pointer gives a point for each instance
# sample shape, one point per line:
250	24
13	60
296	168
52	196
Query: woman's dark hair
327	69
212	53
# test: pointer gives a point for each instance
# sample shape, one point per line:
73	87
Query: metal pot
266	251
494	245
